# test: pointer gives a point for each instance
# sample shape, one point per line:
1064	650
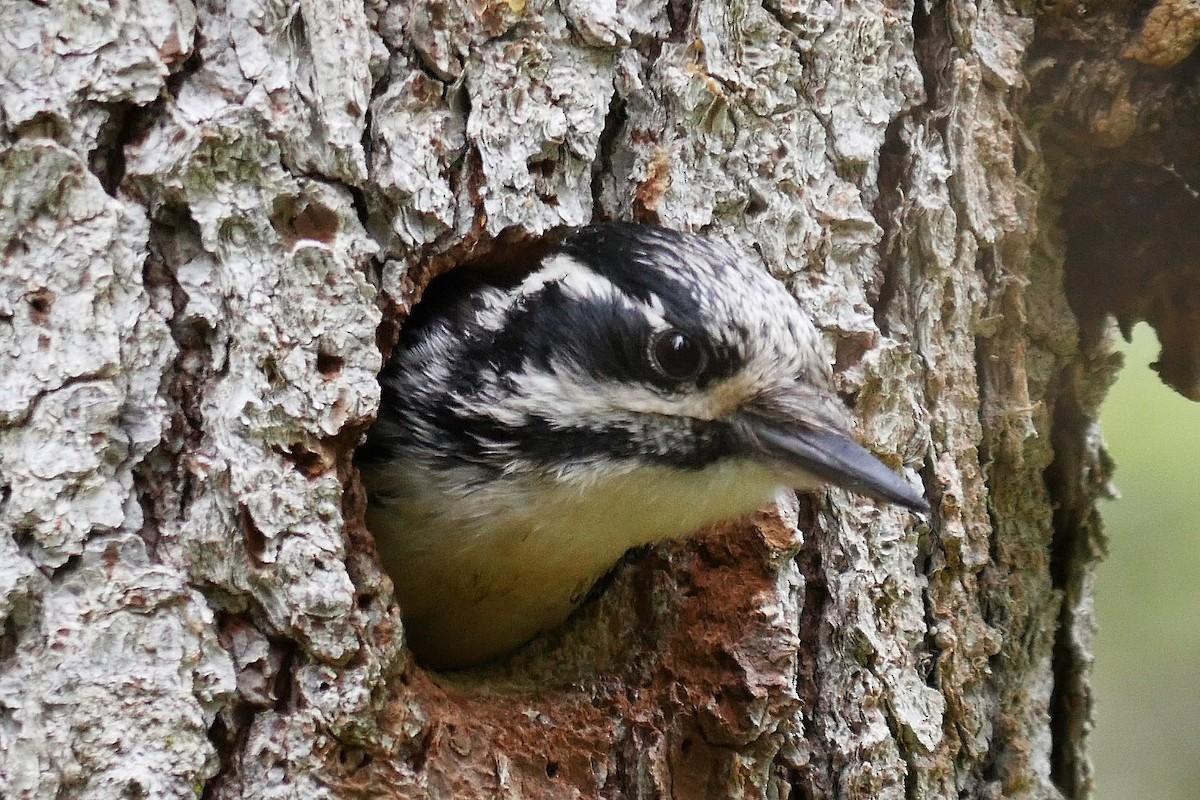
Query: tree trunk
213	218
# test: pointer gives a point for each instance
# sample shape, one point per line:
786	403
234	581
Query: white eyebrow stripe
571	274
583	283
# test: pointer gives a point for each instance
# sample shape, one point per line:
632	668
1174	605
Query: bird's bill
831	457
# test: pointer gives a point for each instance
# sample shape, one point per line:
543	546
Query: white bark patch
115	674
538	105
117	698
419	141
303	68
69	61
276	273
615	22
81	352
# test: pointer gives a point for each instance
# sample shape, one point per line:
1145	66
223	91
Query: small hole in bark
40	302
756	205
255	539
270	368
329	365
286	653
542	167
850	350
69	566
309	463
354	758
298	219
551	769
685	746
316	222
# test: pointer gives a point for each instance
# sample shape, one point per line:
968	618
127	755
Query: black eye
677	356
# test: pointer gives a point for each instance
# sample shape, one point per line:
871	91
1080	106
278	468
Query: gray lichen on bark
207	212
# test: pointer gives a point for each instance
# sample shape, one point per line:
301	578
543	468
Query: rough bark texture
206	211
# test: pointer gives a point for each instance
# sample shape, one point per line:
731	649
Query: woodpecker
636	386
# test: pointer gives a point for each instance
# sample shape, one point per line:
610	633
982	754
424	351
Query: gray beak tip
912	501
837	460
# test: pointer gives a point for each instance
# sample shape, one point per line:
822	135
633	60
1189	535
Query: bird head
632	345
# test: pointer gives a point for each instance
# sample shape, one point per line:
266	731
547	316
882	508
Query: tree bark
214	217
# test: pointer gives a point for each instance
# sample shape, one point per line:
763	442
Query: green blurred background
1146	743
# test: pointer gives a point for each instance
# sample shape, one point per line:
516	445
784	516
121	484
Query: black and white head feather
558	374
